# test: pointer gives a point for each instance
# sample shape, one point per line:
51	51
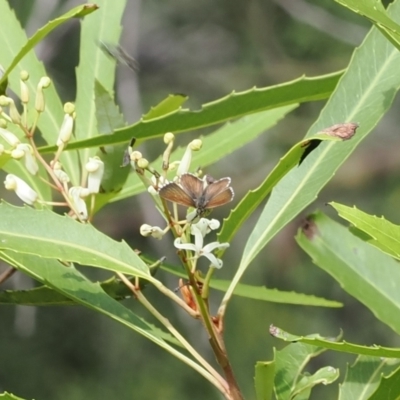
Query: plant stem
212	375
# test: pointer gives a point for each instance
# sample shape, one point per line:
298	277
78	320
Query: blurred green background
205	49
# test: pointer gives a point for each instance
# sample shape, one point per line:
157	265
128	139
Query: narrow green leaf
389	388
232	106
372	87
13	38
363	377
109	118
77	12
172	103
258	292
95	65
362	270
254	197
46	296
374	11
72	284
264	379
333	344
274	295
326	376
9	396
382	234
223	141
289	364
46	234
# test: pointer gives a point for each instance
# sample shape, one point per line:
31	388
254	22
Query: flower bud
14	113
76	194
39	100
66	130
21	189
24	76
136	155
69	108
143	163
196	144
95	167
169	137
27	152
154	231
9	137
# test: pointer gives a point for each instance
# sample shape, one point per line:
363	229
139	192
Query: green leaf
375	12
334	344
72	284
264	379
109	118
232	106
9	396
172	103
46	296
363	377
274	295
224	141
389	389
258	292
372	87
13	38
254	198
382	234
324	375
362	270
289	364
95	65
77	12
46	234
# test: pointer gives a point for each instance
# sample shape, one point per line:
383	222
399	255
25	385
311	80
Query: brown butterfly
195	192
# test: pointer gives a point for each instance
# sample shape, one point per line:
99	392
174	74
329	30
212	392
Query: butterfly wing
173	192
192	185
218	193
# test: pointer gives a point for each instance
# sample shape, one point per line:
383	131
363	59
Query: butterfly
197	193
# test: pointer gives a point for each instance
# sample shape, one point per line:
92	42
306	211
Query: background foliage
204	50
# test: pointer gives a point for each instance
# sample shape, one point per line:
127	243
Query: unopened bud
69	108
169	137
21	189
9	137
143	163
95	167
66	130
24	76
14	114
196	144
136	155
76	194
39	100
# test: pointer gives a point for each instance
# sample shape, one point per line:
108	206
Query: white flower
76	194
21	189
66	129
206	225
184	165
95	167
154	231
9	137
198	248
27	152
